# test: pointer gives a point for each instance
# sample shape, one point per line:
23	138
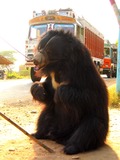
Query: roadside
16	145
20	108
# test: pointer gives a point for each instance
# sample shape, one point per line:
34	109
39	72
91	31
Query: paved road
20	89
14	89
110	81
17	90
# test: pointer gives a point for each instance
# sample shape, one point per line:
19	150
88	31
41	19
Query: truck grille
29	57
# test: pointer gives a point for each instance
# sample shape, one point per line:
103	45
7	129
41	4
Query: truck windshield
65	27
37	30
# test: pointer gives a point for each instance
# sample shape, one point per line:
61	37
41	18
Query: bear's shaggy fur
74	94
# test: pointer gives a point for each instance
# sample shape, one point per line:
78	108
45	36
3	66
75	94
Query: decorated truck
109	66
67	20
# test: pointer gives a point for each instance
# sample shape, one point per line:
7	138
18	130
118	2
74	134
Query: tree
116	43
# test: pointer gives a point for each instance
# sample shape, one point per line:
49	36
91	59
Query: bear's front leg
44	125
43	92
38	92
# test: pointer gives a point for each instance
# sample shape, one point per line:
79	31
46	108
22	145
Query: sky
15	16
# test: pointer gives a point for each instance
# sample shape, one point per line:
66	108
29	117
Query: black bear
74	94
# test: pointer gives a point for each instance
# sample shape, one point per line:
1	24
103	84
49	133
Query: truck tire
108	75
32	74
113	74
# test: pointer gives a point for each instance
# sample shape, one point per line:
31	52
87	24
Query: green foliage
24	73
14	75
116	43
114	97
9	55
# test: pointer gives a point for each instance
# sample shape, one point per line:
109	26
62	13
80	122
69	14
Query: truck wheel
109	75
32	74
113	74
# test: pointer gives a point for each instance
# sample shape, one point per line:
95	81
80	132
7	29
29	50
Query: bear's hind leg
90	135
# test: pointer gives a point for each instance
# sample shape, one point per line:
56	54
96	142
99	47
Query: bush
114	97
24	73
18	75
14	75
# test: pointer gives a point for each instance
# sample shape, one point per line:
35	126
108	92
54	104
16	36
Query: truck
109	66
67	20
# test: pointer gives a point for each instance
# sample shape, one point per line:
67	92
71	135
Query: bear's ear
54	83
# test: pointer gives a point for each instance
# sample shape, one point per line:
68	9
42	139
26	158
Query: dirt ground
14	145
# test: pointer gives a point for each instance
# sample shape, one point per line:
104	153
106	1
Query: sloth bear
74	94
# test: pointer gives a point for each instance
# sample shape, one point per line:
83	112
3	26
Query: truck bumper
29	64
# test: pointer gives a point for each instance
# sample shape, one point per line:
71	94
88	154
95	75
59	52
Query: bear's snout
39	60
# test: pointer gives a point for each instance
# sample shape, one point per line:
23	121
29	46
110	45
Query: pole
117	13
12	46
27	134
118	66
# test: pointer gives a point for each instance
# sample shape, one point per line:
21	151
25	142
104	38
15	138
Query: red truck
109	66
65	19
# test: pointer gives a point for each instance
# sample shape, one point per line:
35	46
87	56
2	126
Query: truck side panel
94	43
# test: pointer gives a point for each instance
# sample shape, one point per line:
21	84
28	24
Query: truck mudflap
29	64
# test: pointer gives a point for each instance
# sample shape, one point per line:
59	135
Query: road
20	89
110	81
16	103
15	89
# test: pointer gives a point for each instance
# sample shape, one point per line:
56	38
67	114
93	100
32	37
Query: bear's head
62	55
